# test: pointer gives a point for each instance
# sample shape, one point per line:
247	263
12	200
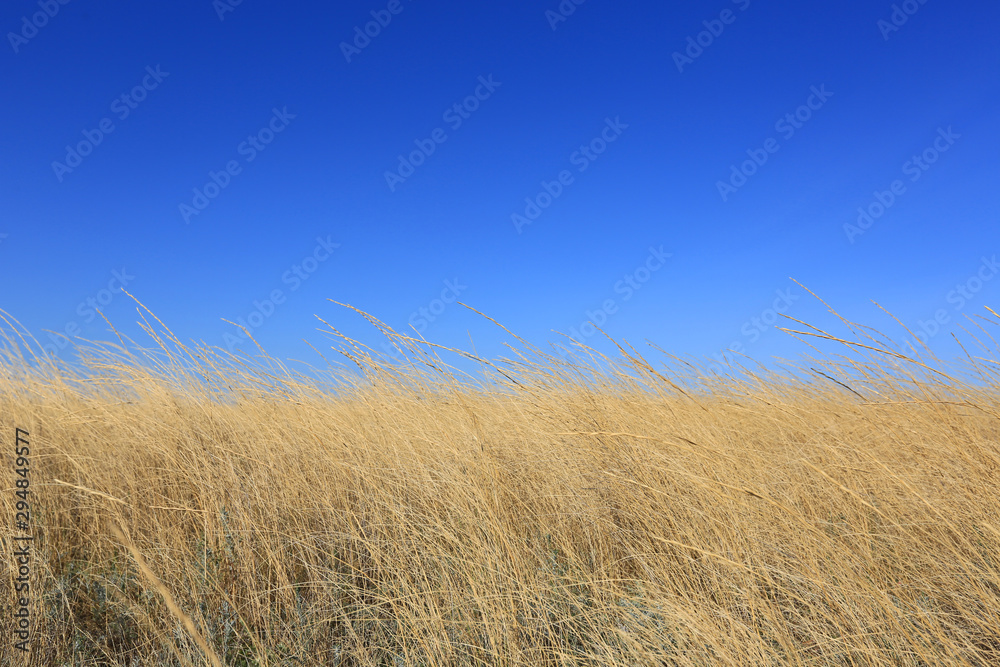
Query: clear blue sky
247	140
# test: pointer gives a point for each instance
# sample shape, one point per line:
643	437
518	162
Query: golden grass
639	513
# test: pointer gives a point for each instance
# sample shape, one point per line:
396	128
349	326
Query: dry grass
559	515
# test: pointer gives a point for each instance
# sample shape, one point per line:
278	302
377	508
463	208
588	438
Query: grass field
192	508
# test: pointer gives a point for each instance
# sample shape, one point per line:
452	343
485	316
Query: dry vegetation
193	508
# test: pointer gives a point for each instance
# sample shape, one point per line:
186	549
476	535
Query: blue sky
661	168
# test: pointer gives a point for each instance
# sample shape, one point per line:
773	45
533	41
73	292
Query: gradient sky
188	88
